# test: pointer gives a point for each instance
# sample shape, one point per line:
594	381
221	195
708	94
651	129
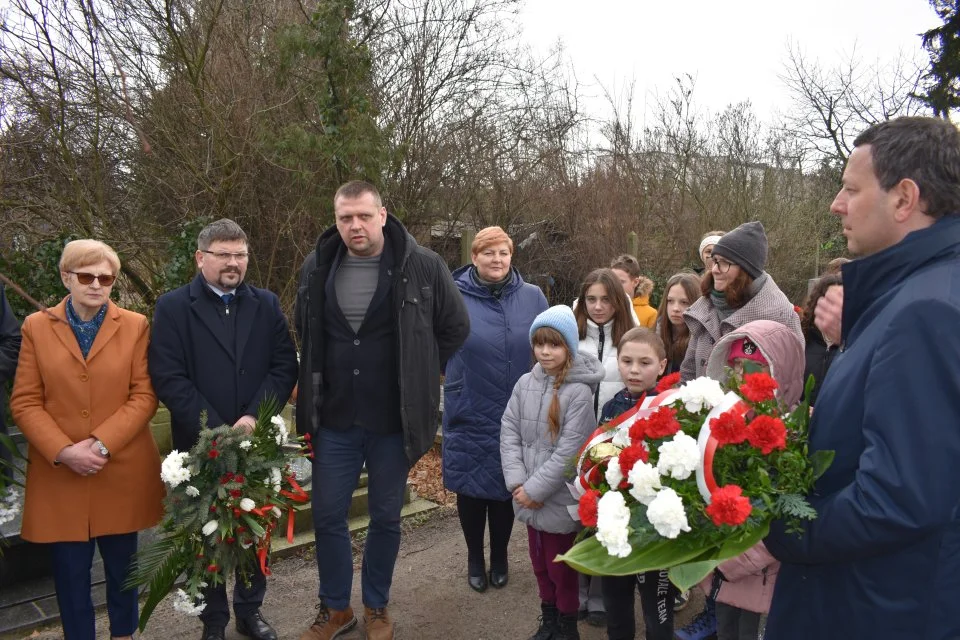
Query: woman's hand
521	496
83	458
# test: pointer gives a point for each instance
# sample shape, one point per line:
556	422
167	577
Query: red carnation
213	453
729	506
758	387
306	437
213	508
661	424
729	428
239	478
235	493
668	382
230	540
587	509
767	433
629	456
241	529
236	512
638	431
212	568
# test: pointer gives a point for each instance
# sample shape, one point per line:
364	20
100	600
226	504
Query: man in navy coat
882	559
221	346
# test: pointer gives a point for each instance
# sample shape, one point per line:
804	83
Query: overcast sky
735	49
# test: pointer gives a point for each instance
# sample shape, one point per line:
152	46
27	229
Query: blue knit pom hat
560	318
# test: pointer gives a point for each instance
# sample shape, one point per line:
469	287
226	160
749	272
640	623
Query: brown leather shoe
378	623
330	624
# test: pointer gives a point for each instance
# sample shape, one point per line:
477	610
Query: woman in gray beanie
735	290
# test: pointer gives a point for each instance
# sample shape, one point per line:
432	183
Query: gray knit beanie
746	247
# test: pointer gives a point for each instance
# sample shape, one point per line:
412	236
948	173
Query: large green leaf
591	558
821	461
688	574
689	561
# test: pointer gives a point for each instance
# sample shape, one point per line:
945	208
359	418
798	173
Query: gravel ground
430	597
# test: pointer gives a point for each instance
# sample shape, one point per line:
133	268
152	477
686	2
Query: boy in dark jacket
641	358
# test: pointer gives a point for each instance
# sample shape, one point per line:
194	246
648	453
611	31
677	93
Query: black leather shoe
478	583
254	626
213	633
498	579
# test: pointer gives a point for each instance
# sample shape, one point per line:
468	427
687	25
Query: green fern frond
792	505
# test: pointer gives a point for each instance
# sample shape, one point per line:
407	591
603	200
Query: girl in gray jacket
548	418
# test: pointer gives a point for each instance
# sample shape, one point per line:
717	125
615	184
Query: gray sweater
529	456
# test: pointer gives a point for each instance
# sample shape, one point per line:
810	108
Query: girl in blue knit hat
548	418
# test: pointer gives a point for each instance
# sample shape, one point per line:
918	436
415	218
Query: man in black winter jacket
378	316
9	352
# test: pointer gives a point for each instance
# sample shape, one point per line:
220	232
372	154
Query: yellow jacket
646	314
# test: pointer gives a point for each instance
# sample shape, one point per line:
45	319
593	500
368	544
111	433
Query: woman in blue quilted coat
479	380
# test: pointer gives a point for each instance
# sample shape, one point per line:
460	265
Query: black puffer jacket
432	323
819	358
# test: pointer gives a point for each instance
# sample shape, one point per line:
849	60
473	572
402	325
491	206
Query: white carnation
281	428
172	471
245	444
613	524
678	458
666	514
275	479
614	474
183	603
645	482
192	491
210	527
247	504
701	393
622	436
276	512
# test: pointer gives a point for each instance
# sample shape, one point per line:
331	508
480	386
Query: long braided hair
548	335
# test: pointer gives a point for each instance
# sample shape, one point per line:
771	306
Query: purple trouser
559	584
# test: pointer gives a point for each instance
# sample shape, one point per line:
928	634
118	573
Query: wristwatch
103	449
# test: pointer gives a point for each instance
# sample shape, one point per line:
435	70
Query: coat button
84	414
356	342
356	372
242	371
84	377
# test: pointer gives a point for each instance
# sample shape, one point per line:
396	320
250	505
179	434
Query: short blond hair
86	252
489	237
645	286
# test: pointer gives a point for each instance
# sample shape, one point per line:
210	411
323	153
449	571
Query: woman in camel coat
83	399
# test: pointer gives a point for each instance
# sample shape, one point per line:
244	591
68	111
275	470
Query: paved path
430	598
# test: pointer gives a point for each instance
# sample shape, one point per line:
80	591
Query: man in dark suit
378	316
9	350
221	346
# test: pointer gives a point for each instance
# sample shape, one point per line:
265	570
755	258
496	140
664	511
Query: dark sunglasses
87	278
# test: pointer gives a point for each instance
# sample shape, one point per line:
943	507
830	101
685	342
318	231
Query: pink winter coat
750	578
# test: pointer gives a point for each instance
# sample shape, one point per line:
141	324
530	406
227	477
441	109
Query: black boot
548	622
567	628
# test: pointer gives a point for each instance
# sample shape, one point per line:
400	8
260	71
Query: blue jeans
339	457
71	576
